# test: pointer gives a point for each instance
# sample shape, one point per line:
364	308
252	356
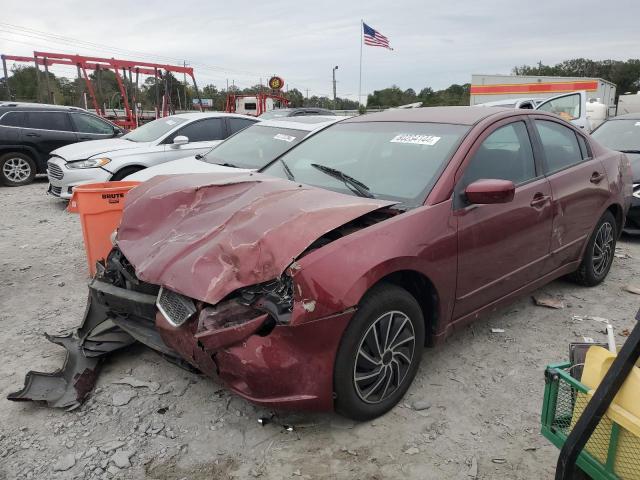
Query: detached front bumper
62	179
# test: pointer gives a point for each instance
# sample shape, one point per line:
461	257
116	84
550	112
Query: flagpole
360	82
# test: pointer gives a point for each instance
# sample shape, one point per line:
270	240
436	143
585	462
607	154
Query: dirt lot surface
479	395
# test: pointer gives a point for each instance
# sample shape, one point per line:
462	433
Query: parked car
294	112
153	143
622	133
316	283
30	131
249	149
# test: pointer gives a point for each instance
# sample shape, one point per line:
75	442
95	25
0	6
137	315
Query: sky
435	43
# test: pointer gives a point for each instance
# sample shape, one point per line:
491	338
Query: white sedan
154	143
250	149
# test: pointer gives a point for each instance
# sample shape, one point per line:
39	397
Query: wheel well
131	168
24	151
616	210
422	289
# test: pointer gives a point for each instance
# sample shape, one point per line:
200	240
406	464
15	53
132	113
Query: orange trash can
100	207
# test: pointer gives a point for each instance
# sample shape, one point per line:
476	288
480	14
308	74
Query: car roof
197	115
626	116
453	115
307	123
38	106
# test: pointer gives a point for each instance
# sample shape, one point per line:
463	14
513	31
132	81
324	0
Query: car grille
176	308
55	190
54	171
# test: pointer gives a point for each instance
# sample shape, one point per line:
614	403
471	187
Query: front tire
379	353
599	253
17	169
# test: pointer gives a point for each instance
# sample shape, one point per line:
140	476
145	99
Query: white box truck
597	96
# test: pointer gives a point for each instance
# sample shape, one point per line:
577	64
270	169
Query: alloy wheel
603	248
384	357
16	169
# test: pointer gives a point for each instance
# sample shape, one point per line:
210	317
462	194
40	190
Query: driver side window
506	154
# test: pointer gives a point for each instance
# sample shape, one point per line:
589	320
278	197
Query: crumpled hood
207	235
84	150
182	165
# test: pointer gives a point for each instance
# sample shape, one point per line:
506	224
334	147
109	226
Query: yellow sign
276	83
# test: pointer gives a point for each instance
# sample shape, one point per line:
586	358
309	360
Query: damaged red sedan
317	283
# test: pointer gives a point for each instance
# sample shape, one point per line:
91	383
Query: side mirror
490	191
117	132
180	140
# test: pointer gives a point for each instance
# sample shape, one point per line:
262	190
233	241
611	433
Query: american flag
374	38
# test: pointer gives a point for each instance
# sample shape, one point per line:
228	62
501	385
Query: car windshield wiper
287	170
355	185
629	151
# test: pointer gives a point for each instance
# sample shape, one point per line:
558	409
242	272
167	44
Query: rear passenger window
506	154
12	119
48	121
560	145
583	147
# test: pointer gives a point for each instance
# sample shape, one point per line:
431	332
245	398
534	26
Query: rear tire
121	174
17	169
599	253
379	353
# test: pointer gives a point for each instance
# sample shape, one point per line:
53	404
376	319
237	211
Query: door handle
539	199
597	177
31	134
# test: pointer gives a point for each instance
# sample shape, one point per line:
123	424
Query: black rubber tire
10	183
121	174
585	274
379	300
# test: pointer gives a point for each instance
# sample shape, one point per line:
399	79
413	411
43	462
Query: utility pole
307	93
334	85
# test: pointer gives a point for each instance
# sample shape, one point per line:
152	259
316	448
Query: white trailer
495	88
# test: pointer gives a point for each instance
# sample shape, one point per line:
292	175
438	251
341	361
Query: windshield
393	160
255	146
619	134
277	113
153	130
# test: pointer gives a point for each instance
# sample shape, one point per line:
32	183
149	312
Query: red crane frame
84	63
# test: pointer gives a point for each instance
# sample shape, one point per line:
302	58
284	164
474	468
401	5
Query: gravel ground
478	397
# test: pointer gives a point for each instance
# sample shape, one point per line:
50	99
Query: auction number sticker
637	124
284	138
415	139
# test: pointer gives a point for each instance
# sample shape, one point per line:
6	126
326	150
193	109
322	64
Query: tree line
625	74
25	86
28	85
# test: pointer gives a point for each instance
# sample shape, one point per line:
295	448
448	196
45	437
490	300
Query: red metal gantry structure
84	63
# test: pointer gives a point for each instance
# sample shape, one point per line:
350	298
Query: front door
203	135
501	247
571	107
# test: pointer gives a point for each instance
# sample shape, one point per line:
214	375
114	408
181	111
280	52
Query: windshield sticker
415	139
637	124
171	122
284	138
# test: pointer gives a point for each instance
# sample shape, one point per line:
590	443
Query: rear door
571	107
46	131
579	185
501	247
90	127
202	134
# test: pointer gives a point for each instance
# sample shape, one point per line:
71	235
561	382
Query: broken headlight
274	297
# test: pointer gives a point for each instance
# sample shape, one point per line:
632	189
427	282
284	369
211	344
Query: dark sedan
622	133
317	283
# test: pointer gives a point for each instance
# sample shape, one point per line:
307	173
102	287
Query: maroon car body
208	237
